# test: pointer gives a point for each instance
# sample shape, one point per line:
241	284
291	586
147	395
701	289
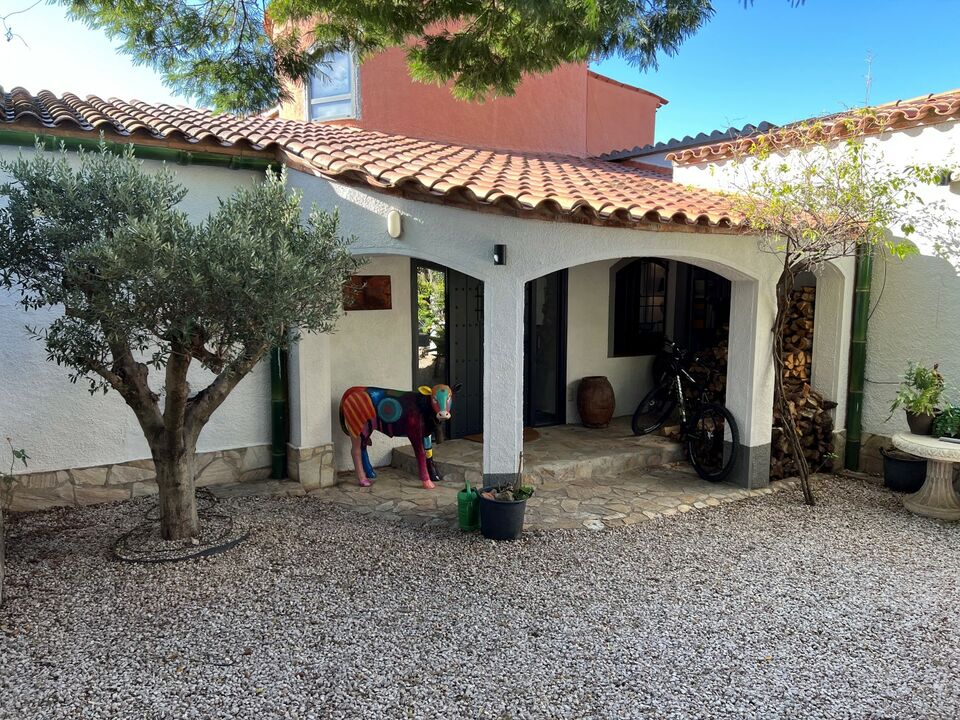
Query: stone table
937	498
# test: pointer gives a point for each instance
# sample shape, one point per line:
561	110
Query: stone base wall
312	467
122	481
871	461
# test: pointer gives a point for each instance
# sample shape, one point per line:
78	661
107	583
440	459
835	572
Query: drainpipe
858	356
278	414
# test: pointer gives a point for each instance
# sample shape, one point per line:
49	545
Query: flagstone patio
561	453
596	503
584	478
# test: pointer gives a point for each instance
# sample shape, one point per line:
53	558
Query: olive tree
142	294
813	199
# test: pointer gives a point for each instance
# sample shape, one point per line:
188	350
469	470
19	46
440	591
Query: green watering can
468	508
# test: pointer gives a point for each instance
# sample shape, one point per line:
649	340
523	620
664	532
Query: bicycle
708	429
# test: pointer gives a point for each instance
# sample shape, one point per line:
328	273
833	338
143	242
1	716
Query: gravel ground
759	609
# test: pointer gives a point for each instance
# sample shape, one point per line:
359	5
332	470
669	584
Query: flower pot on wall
903	472
595	401
920	424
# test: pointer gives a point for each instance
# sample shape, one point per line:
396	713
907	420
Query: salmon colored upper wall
569	110
544	115
619	117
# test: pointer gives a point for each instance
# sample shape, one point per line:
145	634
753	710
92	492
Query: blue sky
769	62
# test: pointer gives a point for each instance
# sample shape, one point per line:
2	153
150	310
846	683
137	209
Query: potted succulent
918	394
502	509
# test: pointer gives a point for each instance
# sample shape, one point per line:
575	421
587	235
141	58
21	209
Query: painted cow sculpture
395	413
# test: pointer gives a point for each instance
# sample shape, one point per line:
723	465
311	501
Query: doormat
529	435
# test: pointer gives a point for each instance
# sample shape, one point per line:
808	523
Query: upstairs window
332	90
639	312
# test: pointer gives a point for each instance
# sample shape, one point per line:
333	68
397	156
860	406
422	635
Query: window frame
353	96
648	343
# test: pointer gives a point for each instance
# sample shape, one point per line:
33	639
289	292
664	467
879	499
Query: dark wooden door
465	338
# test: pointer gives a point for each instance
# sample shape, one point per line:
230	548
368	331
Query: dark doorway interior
448	347
545	350
703	307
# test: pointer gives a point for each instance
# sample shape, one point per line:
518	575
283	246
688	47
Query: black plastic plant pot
903	472
501	519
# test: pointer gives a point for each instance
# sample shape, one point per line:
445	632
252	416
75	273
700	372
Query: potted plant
502	509
947	422
918	394
903	472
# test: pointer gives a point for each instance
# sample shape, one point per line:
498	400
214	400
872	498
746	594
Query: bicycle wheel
712	442
653	411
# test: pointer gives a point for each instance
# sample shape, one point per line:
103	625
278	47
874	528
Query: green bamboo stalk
858	356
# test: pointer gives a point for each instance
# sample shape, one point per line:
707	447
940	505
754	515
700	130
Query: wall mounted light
499	254
394	224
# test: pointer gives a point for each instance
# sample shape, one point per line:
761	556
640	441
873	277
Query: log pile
798	342
710	370
809	408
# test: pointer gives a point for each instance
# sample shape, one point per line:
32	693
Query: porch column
750	378
502	378
310	451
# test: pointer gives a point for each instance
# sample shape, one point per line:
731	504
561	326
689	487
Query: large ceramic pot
903	472
595	401
920	424
501	519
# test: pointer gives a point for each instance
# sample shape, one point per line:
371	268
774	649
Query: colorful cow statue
395	413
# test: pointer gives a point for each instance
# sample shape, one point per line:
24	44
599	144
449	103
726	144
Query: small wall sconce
394	224
499	254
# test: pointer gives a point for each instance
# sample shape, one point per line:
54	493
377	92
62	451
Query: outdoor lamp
499	254
394	224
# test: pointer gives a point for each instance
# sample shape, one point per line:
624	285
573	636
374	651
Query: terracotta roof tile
556	184
930	109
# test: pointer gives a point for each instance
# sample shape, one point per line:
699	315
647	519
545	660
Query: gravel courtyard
759	609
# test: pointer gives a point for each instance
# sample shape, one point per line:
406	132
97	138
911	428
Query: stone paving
596	503
562	453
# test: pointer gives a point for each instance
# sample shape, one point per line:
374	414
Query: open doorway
545	350
448	340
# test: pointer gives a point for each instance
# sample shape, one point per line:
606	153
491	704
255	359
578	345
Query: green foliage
141	287
219	51
920	390
431	294
947	423
17	455
816	201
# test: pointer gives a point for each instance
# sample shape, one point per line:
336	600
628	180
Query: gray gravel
759	609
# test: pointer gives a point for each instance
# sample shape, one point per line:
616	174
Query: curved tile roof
925	110
526	183
674	144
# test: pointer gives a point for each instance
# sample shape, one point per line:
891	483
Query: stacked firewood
710	370
798	341
811	411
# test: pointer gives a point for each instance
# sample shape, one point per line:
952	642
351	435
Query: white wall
913	301
62	425
373	347
588	344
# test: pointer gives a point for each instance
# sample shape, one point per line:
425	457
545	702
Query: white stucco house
532	248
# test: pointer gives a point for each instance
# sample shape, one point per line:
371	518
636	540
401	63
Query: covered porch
530	308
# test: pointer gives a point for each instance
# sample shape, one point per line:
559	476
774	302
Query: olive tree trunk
176	480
